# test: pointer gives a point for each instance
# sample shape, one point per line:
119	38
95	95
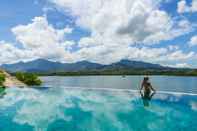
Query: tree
28	78
2	79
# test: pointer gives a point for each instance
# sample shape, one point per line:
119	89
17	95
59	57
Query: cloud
10	53
112	53
193	41
38	40
139	21
120	29
179	55
39	33
193	105
43	39
194	6
183	7
180	65
173	47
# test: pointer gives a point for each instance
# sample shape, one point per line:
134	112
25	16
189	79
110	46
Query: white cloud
10	53
38	40
112	53
173	47
118	26
193	41
193	105
179	55
178	65
183	7
42	39
194	6
120	29
182	65
39	33
137	21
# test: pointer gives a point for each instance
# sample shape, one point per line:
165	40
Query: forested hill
42	65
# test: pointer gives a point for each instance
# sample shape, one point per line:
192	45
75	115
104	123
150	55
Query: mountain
42	65
33	66
127	64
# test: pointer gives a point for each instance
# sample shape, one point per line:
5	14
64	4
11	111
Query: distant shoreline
86	68
66	75
121	72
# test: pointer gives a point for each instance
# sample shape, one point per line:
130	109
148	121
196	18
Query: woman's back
146	86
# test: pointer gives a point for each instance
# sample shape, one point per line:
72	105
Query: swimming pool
83	109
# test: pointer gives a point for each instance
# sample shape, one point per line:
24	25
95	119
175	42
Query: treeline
2	78
28	78
172	72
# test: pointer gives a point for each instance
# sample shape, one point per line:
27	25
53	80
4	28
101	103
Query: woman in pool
146	86
148	91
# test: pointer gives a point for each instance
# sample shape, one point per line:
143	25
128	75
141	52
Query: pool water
80	109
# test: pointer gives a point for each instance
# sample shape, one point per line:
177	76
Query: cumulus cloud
120	29
180	65
38	33
193	41
173	47
10	53
183	7
113	53
179	55
137	21
38	40
183	65
42	39
117	27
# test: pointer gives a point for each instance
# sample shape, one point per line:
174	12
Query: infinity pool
80	109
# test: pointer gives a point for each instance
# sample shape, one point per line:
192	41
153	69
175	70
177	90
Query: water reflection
61	108
146	97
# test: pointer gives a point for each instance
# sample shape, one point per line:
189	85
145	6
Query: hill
42	66
123	67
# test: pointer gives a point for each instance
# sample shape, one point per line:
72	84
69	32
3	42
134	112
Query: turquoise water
95	109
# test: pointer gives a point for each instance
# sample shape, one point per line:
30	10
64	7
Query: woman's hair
145	79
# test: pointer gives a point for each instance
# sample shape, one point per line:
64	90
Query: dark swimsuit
147	89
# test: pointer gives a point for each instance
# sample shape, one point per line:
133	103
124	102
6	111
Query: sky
100	31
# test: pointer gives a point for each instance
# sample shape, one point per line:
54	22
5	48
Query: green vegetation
2	78
28	78
167	72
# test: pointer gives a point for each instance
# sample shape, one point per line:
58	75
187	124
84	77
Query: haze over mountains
42	65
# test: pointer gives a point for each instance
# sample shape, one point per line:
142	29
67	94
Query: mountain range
42	65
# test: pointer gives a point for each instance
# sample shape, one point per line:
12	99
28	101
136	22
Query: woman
146	86
147	94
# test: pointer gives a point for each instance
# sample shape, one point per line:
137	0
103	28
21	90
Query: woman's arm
152	88
142	85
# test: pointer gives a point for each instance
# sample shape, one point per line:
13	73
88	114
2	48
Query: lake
160	83
100	103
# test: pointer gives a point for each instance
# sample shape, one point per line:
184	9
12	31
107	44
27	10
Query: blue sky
102	31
